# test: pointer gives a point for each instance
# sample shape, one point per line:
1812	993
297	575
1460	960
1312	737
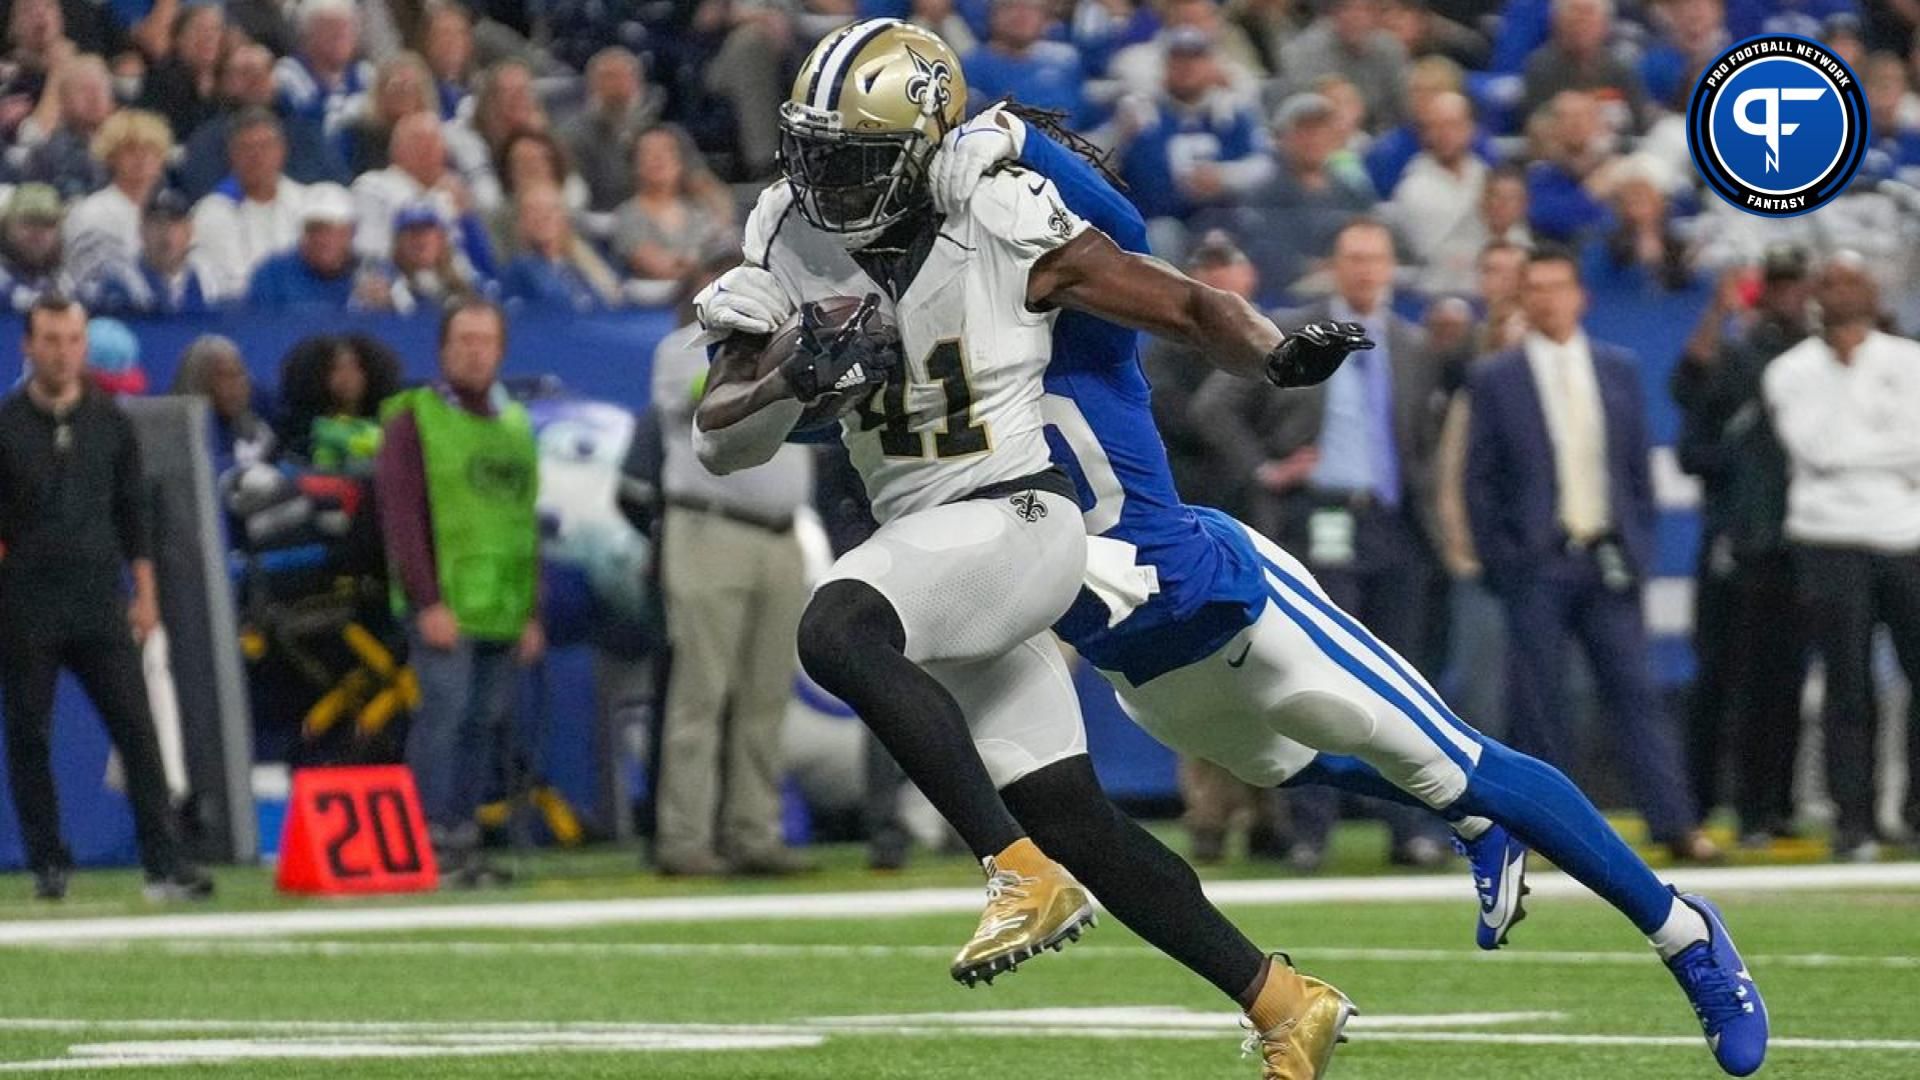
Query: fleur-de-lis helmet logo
931	87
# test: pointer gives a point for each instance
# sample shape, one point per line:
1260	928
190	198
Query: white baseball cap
327	204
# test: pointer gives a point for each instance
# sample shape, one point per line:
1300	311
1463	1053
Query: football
834	311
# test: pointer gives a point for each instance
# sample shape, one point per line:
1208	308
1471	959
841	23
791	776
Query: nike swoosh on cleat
1039	188
1487	908
1242	658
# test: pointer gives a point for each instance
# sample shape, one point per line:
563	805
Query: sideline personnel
71	521
457	476
736	581
1561	503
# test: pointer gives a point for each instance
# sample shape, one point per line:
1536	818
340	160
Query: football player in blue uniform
1224	647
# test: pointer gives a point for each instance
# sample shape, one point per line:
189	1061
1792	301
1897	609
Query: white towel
1120	583
164	702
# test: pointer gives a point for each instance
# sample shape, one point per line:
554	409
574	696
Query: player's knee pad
845	623
1438	781
1409	759
1421	768
1433	785
1328	722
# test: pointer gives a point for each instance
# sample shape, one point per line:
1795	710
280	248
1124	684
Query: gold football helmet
868	110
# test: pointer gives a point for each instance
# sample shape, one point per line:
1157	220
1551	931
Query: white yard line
358	1028
1144	1018
207	1052
783	951
239	1041
1136	1018
869	905
1522	1038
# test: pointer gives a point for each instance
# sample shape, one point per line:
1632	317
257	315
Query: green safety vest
482	476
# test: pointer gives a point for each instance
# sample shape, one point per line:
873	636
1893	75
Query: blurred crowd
164	156
177	157
1402	163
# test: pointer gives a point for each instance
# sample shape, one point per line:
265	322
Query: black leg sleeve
1142	883
107	664
852	644
29	671
886	833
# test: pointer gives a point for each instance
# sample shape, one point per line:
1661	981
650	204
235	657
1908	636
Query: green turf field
856	997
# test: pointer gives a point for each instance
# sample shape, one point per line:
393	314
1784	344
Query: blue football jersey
1100	429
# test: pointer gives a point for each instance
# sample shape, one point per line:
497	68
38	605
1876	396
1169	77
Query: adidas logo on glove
853	376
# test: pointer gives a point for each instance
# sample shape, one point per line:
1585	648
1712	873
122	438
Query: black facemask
853	183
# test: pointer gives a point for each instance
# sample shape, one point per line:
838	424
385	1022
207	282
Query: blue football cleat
1499	863
1723	994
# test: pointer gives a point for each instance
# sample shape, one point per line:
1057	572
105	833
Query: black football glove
1311	354
848	359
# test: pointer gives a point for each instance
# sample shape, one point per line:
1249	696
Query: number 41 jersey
965	411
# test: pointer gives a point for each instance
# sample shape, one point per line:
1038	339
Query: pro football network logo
1778	125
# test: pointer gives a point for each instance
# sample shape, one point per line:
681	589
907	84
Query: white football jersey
965	410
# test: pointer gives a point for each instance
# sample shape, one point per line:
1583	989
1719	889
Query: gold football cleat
1297	1022
1032	904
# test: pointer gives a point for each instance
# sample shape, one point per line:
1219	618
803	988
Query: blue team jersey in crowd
1048	77
1101	430
1176	140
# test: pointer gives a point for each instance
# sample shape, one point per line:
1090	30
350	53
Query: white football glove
969	151
744	300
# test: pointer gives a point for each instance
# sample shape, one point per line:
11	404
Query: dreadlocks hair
306	369
1053	123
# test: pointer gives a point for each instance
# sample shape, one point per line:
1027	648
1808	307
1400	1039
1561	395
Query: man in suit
1560	499
1341	474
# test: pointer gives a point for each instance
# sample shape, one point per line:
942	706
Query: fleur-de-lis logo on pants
931	87
1028	505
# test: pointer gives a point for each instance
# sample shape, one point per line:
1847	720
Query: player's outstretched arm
1092	274
744	416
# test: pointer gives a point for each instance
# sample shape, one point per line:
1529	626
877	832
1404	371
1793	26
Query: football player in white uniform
936	629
